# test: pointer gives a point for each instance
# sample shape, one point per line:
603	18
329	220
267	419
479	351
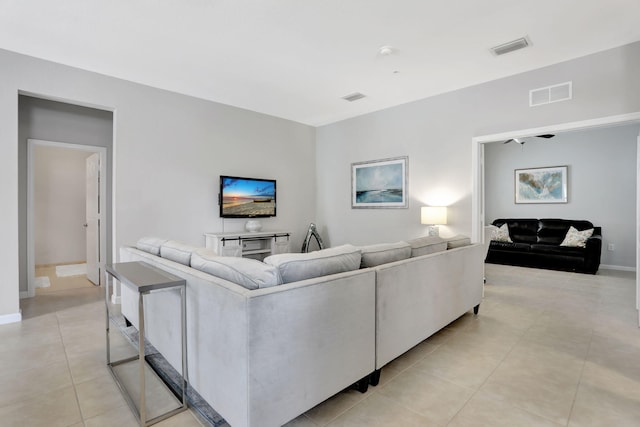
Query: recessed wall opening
55	139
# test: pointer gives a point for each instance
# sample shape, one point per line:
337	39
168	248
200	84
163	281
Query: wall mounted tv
247	197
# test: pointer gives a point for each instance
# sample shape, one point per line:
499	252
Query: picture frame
380	184
541	185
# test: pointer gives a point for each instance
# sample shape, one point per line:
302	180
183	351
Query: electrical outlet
611	247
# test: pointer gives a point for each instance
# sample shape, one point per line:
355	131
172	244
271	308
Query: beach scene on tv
248	197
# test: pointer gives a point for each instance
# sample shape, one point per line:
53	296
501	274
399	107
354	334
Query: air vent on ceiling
353	96
550	94
520	43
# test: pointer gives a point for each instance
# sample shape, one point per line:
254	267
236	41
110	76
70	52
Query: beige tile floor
547	349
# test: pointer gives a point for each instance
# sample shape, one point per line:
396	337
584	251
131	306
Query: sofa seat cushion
246	272
557	250
176	251
150	244
427	245
384	253
512	247
294	267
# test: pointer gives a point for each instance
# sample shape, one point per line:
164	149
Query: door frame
102	151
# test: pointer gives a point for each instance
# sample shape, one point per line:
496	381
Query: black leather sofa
536	243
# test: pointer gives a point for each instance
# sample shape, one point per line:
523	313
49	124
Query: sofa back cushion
458	241
176	251
521	230
383	253
246	272
295	267
427	245
150	244
553	231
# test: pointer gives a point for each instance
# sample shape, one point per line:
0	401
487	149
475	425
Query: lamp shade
433	215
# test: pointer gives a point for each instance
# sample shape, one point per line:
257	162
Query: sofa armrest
593	251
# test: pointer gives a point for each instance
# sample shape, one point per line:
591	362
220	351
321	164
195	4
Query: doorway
65	240
478	175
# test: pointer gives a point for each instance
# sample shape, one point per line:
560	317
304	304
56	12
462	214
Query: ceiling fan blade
546	135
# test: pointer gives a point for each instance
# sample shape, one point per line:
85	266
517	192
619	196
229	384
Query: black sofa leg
374	378
476	309
363	385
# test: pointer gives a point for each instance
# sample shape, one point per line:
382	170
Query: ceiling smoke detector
511	46
353	96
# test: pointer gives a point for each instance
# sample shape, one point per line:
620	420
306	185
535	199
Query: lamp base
434	230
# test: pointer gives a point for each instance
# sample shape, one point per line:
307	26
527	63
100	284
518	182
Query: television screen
247	197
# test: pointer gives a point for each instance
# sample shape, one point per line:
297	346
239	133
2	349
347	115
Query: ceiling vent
520	43
551	94
353	97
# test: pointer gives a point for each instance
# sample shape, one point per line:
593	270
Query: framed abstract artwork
380	183
541	185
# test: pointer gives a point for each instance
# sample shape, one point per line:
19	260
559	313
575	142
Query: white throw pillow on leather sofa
575	238
246	272
383	253
294	267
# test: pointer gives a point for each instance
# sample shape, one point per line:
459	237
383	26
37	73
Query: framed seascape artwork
380	183
541	185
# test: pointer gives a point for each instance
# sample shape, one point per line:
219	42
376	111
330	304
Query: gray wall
59	122
601	183
436	134
168	153
59	205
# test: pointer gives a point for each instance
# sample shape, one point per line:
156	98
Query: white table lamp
433	216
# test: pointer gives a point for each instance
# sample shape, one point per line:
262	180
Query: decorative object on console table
541	185
253	226
256	245
380	183
433	216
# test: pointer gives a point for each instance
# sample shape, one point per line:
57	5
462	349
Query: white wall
169	151
59	205
601	183
435	133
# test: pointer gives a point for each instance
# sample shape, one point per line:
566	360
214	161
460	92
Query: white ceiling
295	59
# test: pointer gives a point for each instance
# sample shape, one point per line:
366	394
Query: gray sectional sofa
268	341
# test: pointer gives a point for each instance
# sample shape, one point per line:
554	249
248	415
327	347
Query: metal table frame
144	279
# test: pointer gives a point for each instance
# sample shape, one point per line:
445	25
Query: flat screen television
247	197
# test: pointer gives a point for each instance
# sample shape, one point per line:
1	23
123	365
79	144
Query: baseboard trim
11	318
27	294
617	267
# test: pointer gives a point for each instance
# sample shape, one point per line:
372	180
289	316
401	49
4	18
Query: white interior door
92	222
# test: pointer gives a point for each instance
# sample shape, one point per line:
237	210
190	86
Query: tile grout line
73	383
584	363
494	370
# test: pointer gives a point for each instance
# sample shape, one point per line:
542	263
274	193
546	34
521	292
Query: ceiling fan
521	141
